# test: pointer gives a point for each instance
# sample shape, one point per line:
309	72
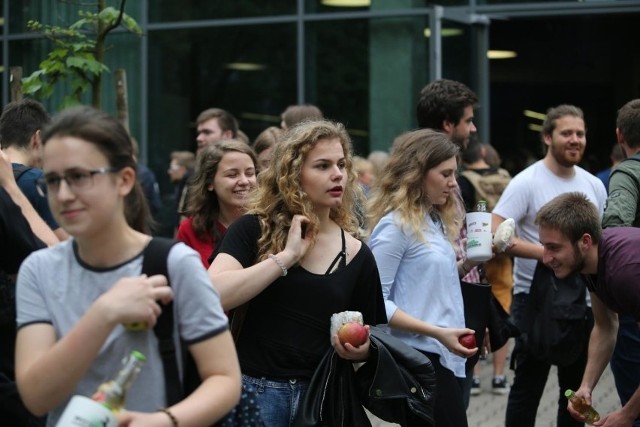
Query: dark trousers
531	376
449	410
625	362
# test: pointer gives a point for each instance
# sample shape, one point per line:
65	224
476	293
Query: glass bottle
481	206
579	404
112	394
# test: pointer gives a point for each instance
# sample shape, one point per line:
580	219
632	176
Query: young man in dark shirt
573	240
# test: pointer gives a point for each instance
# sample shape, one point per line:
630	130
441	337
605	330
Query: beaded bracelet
174	420
280	264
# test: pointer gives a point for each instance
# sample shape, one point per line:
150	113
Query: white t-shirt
54	286
527	193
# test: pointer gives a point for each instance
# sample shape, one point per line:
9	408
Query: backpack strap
19	170
154	261
635	157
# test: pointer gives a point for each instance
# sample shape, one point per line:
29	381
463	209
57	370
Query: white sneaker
475	386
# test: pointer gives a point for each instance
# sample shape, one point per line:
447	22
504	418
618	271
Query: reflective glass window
187	10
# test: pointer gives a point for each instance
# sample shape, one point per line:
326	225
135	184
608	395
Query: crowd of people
279	234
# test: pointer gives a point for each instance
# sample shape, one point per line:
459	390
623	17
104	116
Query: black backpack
557	317
246	413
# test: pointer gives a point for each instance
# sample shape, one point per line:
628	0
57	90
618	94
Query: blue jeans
278	400
531	376
625	362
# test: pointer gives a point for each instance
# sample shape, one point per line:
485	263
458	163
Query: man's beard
561	158
461	142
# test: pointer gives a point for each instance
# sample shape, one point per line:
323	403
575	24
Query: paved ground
487	409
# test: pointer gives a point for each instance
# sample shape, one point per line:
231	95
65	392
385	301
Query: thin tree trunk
15	81
122	98
103	31
96	84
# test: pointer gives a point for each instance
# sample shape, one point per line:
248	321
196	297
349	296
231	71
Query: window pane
340	6
370	83
172	10
57	12
249	71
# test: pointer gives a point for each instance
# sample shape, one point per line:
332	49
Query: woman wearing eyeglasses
74	298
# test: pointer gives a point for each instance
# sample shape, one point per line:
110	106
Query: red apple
353	333
468	340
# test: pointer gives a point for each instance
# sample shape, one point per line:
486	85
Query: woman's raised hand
299	238
136	299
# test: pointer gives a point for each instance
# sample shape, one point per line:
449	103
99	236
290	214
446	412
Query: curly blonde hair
203	205
400	187
280	195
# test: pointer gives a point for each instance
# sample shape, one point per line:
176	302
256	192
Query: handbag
501	328
476	298
397	384
482	310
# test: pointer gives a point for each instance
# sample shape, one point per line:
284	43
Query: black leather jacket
396	384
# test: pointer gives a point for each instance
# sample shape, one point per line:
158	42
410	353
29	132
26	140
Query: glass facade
363	65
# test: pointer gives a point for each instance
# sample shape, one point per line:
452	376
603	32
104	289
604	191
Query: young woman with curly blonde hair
295	259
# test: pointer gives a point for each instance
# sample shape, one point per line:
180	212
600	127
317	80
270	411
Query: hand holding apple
353	333
468	341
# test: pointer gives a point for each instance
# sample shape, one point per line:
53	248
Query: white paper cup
83	412
479	238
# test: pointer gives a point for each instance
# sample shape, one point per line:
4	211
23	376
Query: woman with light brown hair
225	177
415	216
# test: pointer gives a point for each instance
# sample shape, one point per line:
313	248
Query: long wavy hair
401	187
280	195
203	205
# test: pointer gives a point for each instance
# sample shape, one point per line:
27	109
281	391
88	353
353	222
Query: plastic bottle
579	404
479	238
107	401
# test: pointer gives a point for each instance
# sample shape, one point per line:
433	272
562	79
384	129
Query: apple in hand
353	333
468	340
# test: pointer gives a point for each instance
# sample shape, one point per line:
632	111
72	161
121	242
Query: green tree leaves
76	57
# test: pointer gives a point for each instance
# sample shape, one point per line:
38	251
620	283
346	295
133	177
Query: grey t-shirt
56	287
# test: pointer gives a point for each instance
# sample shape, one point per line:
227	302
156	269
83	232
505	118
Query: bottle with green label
112	394
479	237
108	400
579	404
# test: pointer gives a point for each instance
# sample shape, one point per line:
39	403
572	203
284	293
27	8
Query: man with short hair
447	105
623	210
20	126
295	114
215	124
624	194
564	134
573	241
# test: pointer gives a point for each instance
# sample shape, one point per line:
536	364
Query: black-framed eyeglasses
76	179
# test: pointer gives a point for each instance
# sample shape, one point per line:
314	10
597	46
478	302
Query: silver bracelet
280	264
